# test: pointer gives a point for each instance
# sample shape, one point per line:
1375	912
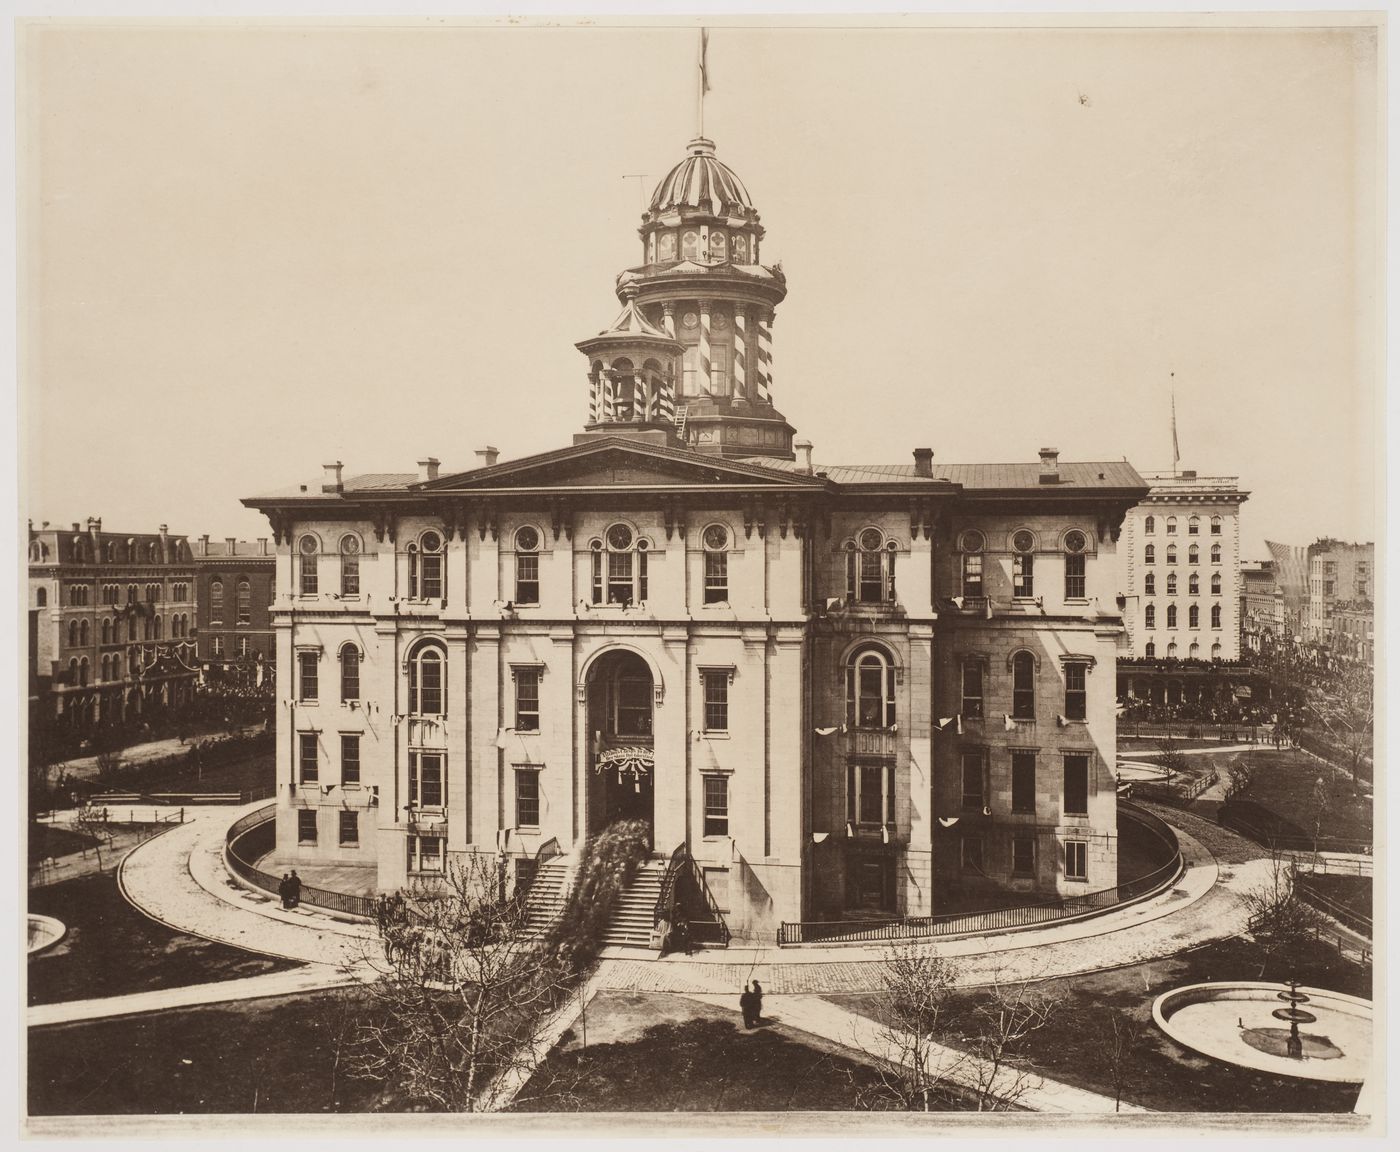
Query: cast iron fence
252	836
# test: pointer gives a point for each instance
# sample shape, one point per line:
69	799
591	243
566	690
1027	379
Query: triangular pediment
616	462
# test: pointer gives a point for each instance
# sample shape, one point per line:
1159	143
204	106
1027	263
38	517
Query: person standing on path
294	888
284	890
746	1006
757	1004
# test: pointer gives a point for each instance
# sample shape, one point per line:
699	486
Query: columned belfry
691	355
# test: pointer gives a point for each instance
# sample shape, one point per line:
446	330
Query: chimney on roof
77	527
923	461
427	469
331	481
1188	474
804	455
1049	465
231	543
204	545
94	527
487	456
262	545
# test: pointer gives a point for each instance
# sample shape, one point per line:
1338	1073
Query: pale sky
247	251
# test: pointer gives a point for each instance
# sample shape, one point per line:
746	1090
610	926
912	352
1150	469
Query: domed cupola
701	181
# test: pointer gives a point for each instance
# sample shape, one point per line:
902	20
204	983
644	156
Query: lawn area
111	949
1286	784
659	1053
47	840
1157	1072
277	1055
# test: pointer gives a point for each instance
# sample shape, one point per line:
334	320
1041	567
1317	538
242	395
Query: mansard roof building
844	691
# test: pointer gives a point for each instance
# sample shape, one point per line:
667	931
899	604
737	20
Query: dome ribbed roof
701	181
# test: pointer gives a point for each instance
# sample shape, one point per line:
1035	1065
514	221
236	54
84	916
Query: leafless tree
1239	776
1006	1015
1176	762
1280	921
1117	1036
1347	708
461	996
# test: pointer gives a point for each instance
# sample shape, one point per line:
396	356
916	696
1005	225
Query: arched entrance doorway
620	701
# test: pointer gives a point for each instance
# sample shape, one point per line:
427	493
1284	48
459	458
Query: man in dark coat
757	1000
294	888
746	1006
284	890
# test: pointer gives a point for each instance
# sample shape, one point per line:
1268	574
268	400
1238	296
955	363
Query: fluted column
764	373
704	367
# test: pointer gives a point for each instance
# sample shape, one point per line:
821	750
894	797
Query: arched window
1193	526
1193	554
426	681
310	551
1194	652
1171	525
1171	615
1171	583
83	672
216	602
84	635
1215	553
1075	544
131	628
106	631
1151	650
740	248
425	568
690	244
41	598
1171	650
972	544
1023	564
665	247
1149	555
870	689
1215	583
1193	584
1149	584
1215	650
350	565
1023	686
619	567
1149	616
1215	615
73	673
527	565
131	593
870	567
1193	616
717	248
111	551
106	668
116	667
245	602
1150	525
350	673
1171	553
715	540
1215	525
160	628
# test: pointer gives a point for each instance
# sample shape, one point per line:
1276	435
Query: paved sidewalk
312	978
179	879
860	1033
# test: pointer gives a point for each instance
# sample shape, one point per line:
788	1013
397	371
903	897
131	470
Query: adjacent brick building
234	587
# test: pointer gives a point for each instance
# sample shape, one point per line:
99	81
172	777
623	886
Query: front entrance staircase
632	918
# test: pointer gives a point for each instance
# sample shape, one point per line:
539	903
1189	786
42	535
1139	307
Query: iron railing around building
251	837
1001	919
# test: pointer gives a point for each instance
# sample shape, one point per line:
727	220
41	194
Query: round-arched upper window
430	541
309	547
350	545
620	537
527	539
716	538
972	541
871	539
1023	541
1075	541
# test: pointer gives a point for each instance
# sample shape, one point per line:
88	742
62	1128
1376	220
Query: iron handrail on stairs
683	876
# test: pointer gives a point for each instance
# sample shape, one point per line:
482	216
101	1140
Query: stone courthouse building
846	690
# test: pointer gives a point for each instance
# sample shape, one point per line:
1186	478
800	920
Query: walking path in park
84	767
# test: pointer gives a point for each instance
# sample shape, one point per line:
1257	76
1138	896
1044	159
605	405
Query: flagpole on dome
704	83
1176	450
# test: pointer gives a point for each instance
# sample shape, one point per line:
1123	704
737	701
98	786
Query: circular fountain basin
44	932
1138	770
1236	1022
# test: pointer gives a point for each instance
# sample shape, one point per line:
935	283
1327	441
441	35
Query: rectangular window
716	805
1076	785
1074	576
1023	781
1022	856
972	574
597	577
972	688
716	577
216	645
310	583
432	575
216	603
633	714
349	827
1076	860
244	600
719	371
310	767
972	854
527	797
1023	575
1076	691
716	701
349	575
425	853
425	779
619	577
972	772
244	645
870	794
306	825
527	578
527	699
308	664
349	757
872	577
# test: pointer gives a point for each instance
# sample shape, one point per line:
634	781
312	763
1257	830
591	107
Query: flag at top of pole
1176	450
704	80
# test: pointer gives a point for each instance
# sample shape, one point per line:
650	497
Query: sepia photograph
700	575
